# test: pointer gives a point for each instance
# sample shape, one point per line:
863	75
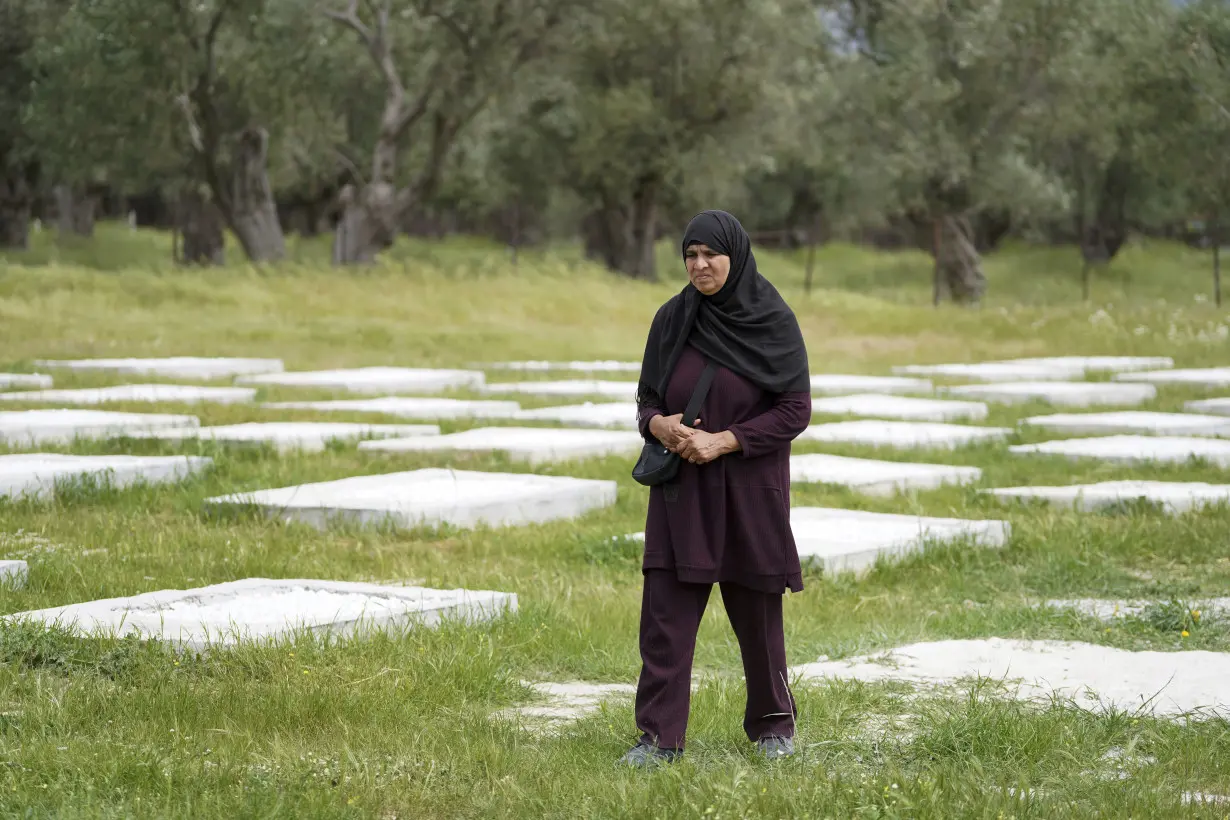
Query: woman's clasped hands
691	444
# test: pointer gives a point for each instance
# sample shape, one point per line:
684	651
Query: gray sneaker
774	747
644	755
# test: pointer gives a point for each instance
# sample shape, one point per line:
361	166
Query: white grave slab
880	478
903	433
844	384
1172	496
175	367
1194	377
537	445
264	610
286	436
620	414
1098	677
26	428
1060	394
374	379
900	407
1134	449
1109	610
1133	421
577	367
36	380
408	408
994	371
36	474
182	393
574	387
1095	364
852	540
1215	407
13	573
432	497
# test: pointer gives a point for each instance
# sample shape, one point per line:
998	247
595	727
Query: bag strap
698	395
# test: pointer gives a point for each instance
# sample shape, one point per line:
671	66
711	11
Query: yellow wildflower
1185	633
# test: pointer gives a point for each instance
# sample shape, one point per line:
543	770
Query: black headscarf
745	327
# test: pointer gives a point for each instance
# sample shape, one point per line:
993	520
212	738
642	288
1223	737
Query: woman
725	518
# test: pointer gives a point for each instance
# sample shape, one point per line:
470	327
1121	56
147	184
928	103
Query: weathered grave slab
1133	421
286	436
175	367
537	445
903	433
620	414
1215	407
264	610
182	393
565	702
1134	449
36	380
27	428
374	379
1173	496
1169	684
606	366
36	474
874	477
1193	377
13	573
900	407
1110	609
431	497
1060	394
994	371
407	408
1095	364
852	540
845	384
572	387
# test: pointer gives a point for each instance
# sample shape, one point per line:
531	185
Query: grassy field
402	727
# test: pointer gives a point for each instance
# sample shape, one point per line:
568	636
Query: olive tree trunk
254	213
958	270
621	235
200	224
16	199
76	208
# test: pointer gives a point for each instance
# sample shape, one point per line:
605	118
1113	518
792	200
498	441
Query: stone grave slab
407	407
265	610
1105	609
852	540
1133	421
571	387
618	414
576	367
903	433
175	367
13	574
565	702
1134	449
36	474
182	393
1060	394
845	384
27	428
286	436
1172	496
374	379
900	407
1215	407
994	371
35	380
880	478
1095	364
431	497
537	445
1192	377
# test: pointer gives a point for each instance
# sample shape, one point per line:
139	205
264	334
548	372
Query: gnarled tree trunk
958	265
621	235
368	223
16	199
75	210
254	214
200	224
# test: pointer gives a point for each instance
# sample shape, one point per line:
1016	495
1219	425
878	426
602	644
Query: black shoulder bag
658	465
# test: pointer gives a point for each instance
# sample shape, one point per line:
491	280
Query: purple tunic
729	520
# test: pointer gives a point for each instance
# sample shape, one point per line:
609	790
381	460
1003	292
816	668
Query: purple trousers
670	617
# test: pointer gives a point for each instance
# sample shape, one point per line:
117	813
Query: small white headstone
1135	449
175	367
375	379
994	371
13	574
620	414
1133	421
1173	496
537	445
432	497
34	380
576	367
576	387
1095	364
844	384
1060	394
36	474
1196	377
27	428
286	436
877	477
407	408
181	393
1215	407
903	433
900	407
264	610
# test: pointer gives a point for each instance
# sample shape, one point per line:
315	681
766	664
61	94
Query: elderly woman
725	517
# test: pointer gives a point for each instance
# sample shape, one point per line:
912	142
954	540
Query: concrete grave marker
900	407
1094	364
13	574
903	433
619	414
575	387
36	474
1173	496
537	445
262	610
408	408
1215	407
1134	449
881	478
176	367
1060	394
374	379
1192	377
28	428
182	393
34	380
1110	610
286	436
431	497
577	367
994	371
845	384
1133	421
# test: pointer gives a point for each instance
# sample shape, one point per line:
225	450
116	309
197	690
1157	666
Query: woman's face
707	269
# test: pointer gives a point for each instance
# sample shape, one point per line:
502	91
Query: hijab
745	327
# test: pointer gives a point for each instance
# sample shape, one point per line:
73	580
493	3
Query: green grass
401	726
